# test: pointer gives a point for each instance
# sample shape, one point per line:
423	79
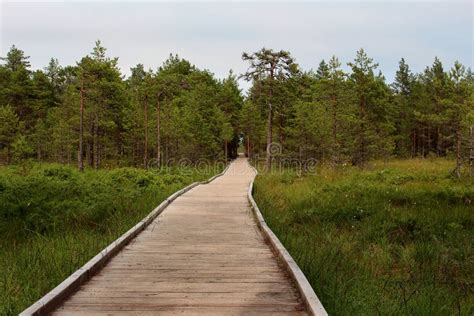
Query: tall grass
396	239
53	219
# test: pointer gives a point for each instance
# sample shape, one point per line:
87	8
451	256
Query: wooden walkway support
206	254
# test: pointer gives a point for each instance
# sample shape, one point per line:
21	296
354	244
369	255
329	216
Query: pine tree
267	67
370	132
15	88
105	95
404	122
457	107
331	90
230	102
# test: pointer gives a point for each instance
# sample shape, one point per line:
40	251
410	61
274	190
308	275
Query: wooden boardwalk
203	255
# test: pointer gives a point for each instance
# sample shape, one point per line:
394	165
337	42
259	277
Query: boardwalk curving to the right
203	255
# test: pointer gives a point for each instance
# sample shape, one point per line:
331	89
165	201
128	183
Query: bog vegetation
394	239
76	140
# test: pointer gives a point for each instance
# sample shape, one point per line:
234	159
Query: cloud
213	35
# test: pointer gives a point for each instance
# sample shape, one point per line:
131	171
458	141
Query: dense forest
90	113
90	108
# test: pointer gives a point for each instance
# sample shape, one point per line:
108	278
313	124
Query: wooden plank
202	310
165	274
185	300
160	295
183	312
189	287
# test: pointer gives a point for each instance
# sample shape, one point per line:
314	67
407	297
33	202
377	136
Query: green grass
396	239
53	219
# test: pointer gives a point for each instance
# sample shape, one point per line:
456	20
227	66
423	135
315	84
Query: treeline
92	114
355	116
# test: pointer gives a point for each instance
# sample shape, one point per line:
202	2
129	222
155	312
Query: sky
212	35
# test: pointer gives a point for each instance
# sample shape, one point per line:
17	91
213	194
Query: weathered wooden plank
183	312
197	295
192	273
201	264
185	300
203	308
176	286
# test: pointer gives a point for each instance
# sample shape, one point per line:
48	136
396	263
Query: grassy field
396	239
53	219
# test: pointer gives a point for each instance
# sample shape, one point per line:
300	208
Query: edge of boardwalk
51	300
311	300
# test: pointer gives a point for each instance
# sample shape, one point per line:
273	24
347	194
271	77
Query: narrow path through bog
203	255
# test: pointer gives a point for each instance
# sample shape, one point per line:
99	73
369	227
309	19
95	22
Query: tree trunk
268	160
80	154
145	127
88	153
99	154
158	134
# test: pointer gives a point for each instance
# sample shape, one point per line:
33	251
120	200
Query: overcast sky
213	35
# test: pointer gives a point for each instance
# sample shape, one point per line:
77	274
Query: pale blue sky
213	35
